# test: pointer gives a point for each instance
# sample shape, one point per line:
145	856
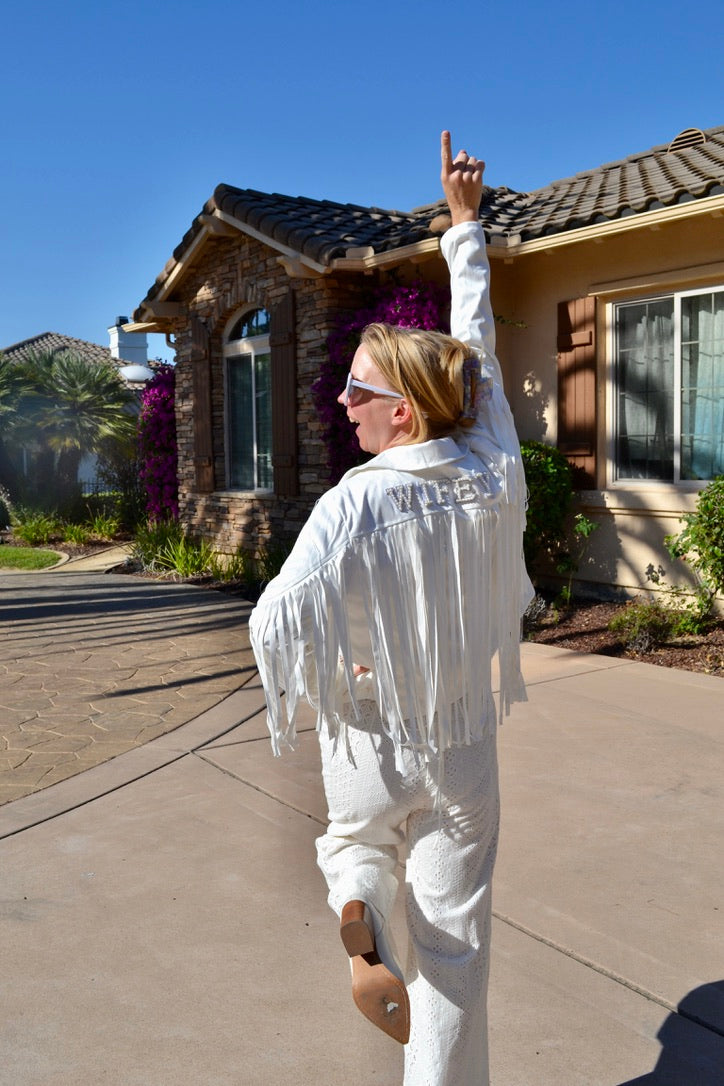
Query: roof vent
690	137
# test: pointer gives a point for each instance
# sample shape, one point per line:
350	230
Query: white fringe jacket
412	567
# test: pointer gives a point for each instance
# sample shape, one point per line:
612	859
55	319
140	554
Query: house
128	352
126	349
611	289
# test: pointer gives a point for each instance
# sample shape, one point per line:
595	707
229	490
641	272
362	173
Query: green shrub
701	543
76	533
35	528
163	546
643	625
187	556
550	494
692	614
150	538
104	526
692	610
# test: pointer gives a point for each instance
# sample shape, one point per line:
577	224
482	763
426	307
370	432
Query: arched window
247	362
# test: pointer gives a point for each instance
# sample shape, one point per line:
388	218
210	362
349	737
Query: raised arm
463	246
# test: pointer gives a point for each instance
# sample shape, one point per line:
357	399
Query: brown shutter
282	341
203	433
577	387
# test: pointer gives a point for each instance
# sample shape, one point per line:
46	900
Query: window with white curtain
669	387
247	363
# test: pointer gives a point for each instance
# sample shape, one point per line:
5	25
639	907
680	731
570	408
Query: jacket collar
417	457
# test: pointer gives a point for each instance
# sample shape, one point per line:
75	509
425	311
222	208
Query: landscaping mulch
583	627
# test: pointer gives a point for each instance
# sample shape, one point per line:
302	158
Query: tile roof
690	168
320	229
643	182
55	343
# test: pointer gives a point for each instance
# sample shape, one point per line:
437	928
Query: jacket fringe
434	624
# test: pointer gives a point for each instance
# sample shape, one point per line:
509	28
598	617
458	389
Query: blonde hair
427	367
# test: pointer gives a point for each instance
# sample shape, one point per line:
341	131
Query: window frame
614	481
250	348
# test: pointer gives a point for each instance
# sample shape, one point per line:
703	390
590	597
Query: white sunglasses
353	383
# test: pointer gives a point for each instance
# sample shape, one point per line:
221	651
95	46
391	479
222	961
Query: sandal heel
356	929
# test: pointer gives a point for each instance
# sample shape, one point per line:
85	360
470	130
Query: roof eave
387	258
284	250
169	283
214	225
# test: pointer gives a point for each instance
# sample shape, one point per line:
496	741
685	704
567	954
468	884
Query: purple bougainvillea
416	305
157	449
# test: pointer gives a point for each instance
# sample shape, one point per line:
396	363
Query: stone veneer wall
232	274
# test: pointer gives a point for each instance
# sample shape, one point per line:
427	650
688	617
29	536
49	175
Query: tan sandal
379	993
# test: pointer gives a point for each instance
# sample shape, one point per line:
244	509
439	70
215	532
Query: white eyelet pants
373	809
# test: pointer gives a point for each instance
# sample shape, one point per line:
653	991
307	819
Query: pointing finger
446	152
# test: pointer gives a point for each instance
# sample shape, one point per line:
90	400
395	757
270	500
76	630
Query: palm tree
67	407
12	384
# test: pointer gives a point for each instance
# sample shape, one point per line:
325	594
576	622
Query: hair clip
476	388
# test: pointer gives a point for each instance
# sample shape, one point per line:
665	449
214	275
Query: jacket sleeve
295	627
471	314
493	436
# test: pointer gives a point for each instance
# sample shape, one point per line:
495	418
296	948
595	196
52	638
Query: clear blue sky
119	119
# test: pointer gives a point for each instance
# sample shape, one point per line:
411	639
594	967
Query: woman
402	586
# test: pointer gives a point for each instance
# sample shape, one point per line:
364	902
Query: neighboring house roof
54	343
323	233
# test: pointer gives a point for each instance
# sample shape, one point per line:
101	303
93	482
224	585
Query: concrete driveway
163	922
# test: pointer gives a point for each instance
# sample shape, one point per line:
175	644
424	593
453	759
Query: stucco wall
633	517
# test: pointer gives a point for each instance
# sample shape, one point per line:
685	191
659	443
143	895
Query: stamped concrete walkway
92	666
163	923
